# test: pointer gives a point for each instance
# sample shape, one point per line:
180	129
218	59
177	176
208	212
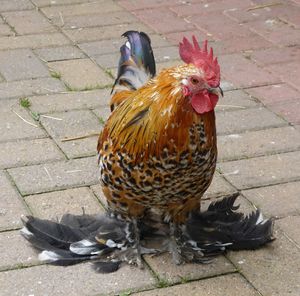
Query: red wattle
204	102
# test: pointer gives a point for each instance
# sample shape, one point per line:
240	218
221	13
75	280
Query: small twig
23	118
264	6
62	19
232	106
51	117
80	137
47	172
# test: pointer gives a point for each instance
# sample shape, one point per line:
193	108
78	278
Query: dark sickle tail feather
221	228
109	241
136	64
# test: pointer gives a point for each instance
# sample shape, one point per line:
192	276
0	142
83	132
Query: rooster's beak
216	90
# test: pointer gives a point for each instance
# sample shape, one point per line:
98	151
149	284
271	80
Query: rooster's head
200	79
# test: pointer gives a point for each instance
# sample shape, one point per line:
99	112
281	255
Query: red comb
201	58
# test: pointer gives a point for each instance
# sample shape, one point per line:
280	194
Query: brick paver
61	55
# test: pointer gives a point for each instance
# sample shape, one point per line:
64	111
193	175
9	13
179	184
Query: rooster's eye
194	80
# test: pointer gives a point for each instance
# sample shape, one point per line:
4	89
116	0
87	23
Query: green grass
25	103
102	121
163	283
55	74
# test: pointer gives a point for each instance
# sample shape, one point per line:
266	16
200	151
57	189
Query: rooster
157	157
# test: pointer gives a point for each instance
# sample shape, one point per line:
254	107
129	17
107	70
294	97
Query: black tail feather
109	241
221	228
136	64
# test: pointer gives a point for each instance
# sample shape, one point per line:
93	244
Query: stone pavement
57	62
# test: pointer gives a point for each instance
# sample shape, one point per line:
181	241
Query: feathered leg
174	248
137	244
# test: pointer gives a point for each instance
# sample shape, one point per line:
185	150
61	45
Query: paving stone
15	251
43	3
80	74
166	270
176	37
219	26
275	55
235	100
94	20
55	176
70	101
272	94
12	127
288	73
233	284
33	41
258	143
162	20
11	206
246	120
5	30
59	12
274	269
288	111
262	171
276	201
60	53
28	22
244	73
53	205
24	88
238	44
276	31
103	32
218	187
27	152
80	279
203	8
97	190
8	5
74	124
102	113
263	14
21	64
142	4
291	227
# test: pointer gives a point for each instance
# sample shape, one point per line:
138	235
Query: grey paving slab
101	7
12	127
163	266
291	228
263	170
74	124
233	285
257	143
28	22
246	120
74	280
70	101
273	270
93	20
43	3
55	176
53	205
218	187
15	251
11	205
10	5
235	100
278	200
97	190
80	74
21	64
59	53
102	112
103	32
5	30
27	152
24	88
33	41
